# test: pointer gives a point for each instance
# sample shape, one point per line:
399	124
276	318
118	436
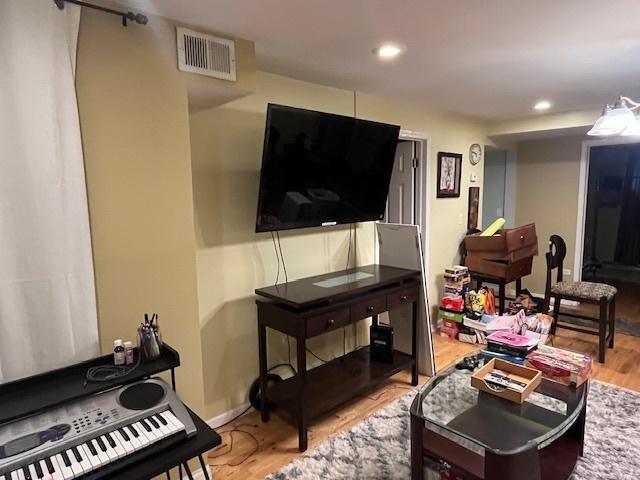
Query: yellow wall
547	194
232	260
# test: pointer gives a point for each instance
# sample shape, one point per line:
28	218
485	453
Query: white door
401	201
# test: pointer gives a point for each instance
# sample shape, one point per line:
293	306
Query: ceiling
491	59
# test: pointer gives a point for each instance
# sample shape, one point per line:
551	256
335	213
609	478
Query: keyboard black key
38	470
146	426
47	462
133	431
27	475
92	449
65	458
76	454
124	434
152	421
101	444
110	440
161	419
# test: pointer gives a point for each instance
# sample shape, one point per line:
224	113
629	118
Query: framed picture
449	171
474	205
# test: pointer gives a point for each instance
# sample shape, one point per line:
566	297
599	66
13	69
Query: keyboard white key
14	475
85	463
75	466
102	456
144	440
110	452
127	445
20	475
32	472
120	451
172	420
66	472
93	459
150	432
57	471
132	438
163	428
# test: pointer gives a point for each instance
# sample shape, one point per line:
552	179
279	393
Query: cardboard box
561	366
530	376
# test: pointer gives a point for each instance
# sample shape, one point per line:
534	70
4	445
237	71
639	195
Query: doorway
611	225
611	248
409	191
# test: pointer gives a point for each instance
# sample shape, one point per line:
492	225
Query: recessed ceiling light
542	105
389	50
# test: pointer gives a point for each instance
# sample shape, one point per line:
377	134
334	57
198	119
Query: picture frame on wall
449	174
474	206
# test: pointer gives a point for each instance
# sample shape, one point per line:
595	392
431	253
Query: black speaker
381	349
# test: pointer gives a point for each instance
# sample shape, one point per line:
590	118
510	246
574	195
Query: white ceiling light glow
542	105
389	50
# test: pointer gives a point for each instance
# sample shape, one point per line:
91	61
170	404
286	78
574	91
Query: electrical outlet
566	271
473	178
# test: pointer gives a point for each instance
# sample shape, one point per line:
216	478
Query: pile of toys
452	303
470	315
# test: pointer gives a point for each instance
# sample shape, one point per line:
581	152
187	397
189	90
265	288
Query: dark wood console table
312	306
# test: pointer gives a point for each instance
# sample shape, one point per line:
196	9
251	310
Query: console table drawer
368	307
406	295
327	322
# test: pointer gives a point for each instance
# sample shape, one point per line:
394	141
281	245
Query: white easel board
400	246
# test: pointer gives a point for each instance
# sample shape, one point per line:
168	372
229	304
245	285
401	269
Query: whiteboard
400	246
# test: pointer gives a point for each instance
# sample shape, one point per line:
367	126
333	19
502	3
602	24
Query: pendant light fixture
617	120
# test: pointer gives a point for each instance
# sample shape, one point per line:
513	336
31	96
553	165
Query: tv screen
323	169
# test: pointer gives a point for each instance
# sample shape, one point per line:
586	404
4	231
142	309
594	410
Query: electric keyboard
92	435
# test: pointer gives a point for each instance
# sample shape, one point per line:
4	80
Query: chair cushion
587	290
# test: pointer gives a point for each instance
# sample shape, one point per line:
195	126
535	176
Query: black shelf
335	382
33	394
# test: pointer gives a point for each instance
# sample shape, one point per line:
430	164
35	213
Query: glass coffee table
465	433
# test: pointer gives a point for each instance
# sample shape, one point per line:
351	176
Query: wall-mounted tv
323	169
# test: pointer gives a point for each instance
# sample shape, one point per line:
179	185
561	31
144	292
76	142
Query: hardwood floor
252	449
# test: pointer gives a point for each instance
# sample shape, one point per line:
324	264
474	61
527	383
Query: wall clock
475	154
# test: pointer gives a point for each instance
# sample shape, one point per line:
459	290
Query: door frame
422	190
583	191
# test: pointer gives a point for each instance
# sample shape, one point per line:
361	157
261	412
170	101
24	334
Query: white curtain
47	296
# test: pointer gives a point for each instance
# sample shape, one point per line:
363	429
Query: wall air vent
206	55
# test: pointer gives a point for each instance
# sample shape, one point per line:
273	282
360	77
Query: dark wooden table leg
301	355
501	292
414	343
612	321
417	459
262	355
518	286
374	320
602	329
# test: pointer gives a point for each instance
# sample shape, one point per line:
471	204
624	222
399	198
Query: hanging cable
284	265
349	250
273	239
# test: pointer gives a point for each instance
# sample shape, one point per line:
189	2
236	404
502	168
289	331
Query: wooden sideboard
313	306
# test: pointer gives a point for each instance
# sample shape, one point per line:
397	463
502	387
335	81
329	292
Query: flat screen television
322	169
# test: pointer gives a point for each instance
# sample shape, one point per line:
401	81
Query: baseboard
227	416
214	423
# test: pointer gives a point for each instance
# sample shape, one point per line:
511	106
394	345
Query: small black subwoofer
141	396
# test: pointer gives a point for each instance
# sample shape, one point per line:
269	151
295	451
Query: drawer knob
331	321
403	298
370	308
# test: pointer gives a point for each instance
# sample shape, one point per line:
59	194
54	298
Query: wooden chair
587	292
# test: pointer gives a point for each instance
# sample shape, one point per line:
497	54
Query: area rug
378	448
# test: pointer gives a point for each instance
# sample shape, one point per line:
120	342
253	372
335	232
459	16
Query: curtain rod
135	17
